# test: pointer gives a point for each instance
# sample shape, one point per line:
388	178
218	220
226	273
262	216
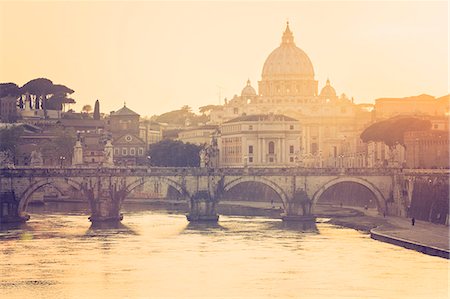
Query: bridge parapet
197	171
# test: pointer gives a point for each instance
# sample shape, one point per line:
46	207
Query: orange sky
159	56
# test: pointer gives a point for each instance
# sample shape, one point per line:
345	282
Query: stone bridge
107	188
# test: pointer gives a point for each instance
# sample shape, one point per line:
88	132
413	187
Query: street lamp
61	159
149	158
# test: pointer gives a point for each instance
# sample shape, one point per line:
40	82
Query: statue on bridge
36	159
108	157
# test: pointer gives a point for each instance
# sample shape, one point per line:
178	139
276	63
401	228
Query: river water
155	254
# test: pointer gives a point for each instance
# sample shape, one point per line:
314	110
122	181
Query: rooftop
262	117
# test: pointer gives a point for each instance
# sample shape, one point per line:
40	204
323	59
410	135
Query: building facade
427	149
259	140
288	87
129	147
199	135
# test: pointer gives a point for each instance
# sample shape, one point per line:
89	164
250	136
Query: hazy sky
159	56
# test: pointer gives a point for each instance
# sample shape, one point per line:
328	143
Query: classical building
427	149
199	135
288	87
8	109
129	147
150	132
259	140
421	151
422	105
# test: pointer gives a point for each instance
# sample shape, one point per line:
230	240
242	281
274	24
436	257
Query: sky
160	56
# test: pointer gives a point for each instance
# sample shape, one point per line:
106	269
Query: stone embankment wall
430	200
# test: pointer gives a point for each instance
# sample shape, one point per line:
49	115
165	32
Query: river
156	254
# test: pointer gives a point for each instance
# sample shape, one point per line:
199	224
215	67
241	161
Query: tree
391	131
9	89
208	108
40	88
170	153
61	146
48	95
86	108
9	139
181	117
60	97
97	110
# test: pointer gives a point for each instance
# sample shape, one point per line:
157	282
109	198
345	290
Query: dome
248	90
328	91
288	60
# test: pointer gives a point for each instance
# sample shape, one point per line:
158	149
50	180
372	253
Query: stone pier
9	209
299	208
202	207
105	199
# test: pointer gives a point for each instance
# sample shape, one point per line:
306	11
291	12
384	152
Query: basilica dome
328	91
248	90
288	60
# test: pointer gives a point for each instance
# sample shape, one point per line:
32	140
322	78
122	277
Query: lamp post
61	159
149	159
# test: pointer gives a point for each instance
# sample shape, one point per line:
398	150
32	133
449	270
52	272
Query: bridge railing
171	171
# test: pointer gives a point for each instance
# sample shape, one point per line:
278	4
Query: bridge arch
141	181
53	181
277	189
380	200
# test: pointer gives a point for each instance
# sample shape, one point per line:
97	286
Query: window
235	110
314	148
250	159
124	151
132	151
250	149
271	147
271	159
291	159
291	149
291	127
141	151
116	151
250	127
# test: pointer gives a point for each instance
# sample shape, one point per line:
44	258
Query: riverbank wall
430	250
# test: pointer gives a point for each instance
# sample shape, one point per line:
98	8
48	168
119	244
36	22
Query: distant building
421	105
427	149
198	135
260	140
129	147
8	109
150	132
93	148
288	87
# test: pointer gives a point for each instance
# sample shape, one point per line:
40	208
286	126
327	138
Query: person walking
413	221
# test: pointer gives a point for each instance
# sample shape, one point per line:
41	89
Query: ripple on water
156	255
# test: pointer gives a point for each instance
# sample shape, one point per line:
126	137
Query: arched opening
348	194
259	193
54	193
356	192
153	189
271	148
152	193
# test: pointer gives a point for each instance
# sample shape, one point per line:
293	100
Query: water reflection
108	228
158	255
204	227
299	226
